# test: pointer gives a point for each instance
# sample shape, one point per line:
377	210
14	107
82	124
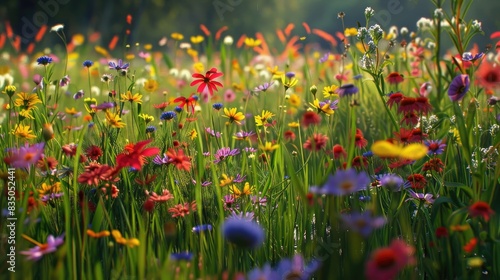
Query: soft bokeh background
153	19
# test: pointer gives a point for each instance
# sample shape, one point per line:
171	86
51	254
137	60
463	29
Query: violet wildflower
213	132
239	178
165	116
436	147
324	58
243	232
183	256
391	181
44	60
79	94
344	182
37	252
346	90
243	135
217	106
264	87
64	81
225	152
202	228
118	66
459	87
362	223
427	197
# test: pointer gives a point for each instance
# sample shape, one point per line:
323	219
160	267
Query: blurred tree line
153	19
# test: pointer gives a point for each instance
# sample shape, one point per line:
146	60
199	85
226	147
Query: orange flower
135	154
179	159
471	245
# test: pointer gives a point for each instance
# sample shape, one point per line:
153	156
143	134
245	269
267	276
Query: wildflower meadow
366	153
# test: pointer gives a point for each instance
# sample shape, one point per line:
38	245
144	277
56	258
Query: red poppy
481	209
394	78
207	81
189	102
135	155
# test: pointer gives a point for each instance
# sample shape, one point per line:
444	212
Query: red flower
385	263
289	135
471	245
394	78
423	105
189	102
207	81
417	181
317	142
434	164
407	104
310	118
135	155
441	232
394	98
179	159
488	75
481	209
338	151
360	141
410	119
93	152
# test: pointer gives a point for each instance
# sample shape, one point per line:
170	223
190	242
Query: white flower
403	31
476	25
174	72
369	12
57	27
228	40
185	45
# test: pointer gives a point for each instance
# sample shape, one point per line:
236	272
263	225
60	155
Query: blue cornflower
243	232
150	129
290	75
118	66
178	109
346	90
368	154
44	60
200	228
168	115
344	182
217	106
184	256
88	63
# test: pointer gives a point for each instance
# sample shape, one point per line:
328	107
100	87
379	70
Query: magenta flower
25	156
37	252
459	87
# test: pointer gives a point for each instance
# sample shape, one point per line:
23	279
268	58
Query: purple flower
201	228
118	66
427	197
262	87
261	201
362	223
332	104
242	135
64	81
44	60
25	156
212	132
184	256
223	153
249	150
103	106
324	58
290	74
344	182
467	56
436	147
459	87
51	196
391	181
243	232
346	90
158	160
239	178
228	202
79	94
296	268
37	252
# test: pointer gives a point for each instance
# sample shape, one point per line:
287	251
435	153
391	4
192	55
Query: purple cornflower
346	90
118	66
228	202
64	81
391	181
290	75
243	232
24	156
427	197
436	147
344	182
166	116
201	228
324	58
239	178
459	87
44	60
37	252
467	56
184	256
261	201
243	135
212	132
225	152
203	184
263	87
362	223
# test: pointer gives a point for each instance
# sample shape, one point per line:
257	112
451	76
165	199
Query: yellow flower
150	85
225	180
353	31
233	115
275	72
88	104
236	192
269	147
26	114
78	39
192	53
290	83
23	131
293	124
262	119
132	242
102	51
147	118
475	262
177	36
93	234
132	98
325	108
71	111
9	90
27	100
414	151
48	189
199	67
251	42
114	120
193	134
329	91
238	87
294	100
456	135
197	39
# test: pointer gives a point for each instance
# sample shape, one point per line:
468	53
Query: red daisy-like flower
310	118
481	209
417	181
135	154
395	78
423	105
471	245
441	232
360	141
410	119
207	81
434	164
289	135
408	104
394	98
488	75
316	143
93	152
179	159
338	152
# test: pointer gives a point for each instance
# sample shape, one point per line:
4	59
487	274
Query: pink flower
37	252
164	197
